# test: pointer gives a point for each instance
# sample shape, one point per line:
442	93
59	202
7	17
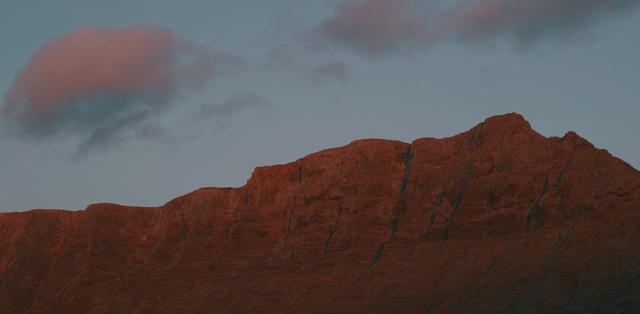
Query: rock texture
496	219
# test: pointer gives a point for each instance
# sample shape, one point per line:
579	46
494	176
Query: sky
137	102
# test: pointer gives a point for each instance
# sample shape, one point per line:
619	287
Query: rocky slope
496	219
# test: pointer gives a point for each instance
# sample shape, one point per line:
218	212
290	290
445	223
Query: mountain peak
507	124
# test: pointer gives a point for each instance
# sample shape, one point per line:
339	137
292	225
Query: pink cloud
95	60
493	17
376	27
96	81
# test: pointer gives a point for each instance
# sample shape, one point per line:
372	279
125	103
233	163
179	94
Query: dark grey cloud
222	112
333	71
287	59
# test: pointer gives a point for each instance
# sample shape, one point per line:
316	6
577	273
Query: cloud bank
378	27
98	85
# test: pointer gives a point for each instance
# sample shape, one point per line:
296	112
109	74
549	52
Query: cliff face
499	218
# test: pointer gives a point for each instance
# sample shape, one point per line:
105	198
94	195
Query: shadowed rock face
496	219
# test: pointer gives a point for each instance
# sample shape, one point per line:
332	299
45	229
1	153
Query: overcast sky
137	102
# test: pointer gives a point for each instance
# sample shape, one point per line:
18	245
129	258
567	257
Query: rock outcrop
496	219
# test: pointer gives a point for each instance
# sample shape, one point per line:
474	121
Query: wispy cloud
315	71
222	112
332	71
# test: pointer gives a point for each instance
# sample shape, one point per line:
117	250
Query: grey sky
587	82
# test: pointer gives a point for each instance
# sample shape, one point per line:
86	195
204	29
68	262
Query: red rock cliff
496	219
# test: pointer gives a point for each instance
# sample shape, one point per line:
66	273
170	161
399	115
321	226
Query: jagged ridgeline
496	219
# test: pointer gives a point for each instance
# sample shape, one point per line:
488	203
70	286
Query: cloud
222	112
332	71
378	27
280	58
316	71
527	20
375	27
99	85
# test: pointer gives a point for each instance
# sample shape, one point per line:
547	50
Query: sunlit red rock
496	219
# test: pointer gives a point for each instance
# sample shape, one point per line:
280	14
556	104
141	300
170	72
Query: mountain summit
495	219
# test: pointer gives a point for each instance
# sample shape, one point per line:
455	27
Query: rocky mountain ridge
495	219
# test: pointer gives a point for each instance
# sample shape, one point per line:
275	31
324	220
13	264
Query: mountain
496	219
